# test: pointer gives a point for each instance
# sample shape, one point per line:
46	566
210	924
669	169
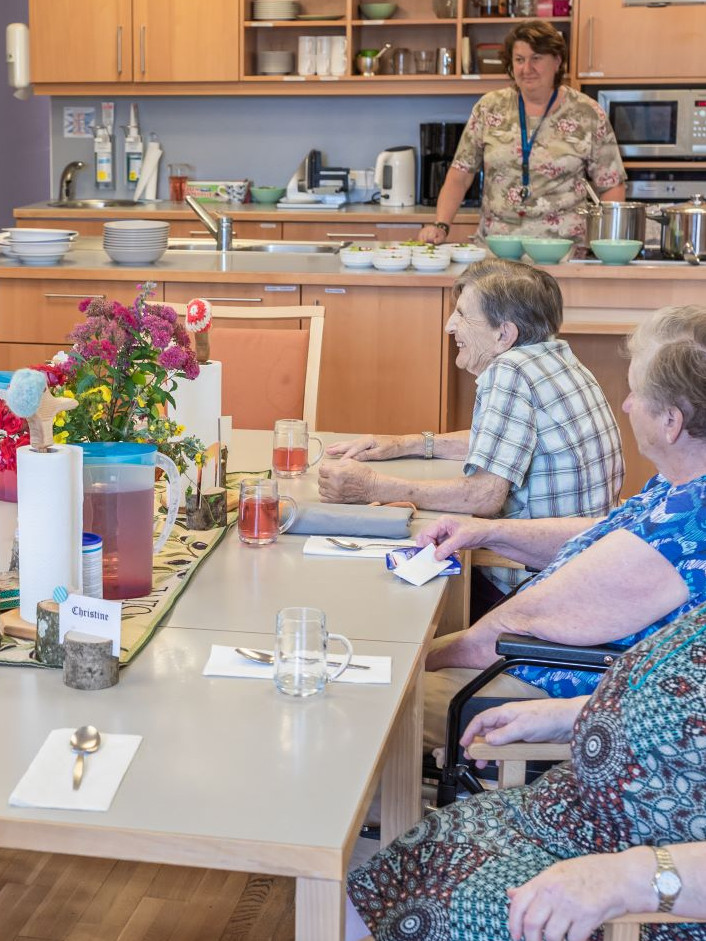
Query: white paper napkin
224	661
319	545
48	782
422	567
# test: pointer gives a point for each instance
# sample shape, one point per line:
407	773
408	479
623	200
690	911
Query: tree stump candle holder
89	662
47	647
208	512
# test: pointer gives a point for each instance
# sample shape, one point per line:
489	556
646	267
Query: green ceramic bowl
377	11
267	194
505	246
547	251
615	251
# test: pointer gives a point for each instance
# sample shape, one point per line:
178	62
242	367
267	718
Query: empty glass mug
301	650
258	512
445	61
290	448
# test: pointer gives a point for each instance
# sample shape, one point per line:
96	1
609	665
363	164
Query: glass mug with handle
258	512
301	650
290	448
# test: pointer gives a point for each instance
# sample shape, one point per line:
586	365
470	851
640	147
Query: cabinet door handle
80	297
143	53
120	50
350	235
236	300
590	43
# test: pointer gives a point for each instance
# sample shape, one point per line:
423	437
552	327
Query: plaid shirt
542	422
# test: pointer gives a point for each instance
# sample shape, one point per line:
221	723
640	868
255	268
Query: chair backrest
268	373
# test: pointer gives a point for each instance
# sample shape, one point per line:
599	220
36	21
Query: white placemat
319	545
224	661
48	782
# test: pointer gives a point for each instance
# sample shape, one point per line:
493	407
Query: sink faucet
67	183
220	227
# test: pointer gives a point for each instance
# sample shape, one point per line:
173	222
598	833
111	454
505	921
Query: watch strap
445	228
428	445
665	864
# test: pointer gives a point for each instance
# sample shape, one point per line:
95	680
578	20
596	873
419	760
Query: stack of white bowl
431	257
38	246
275	62
135	241
275	9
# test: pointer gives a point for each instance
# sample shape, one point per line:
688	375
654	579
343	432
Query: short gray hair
670	346
511	291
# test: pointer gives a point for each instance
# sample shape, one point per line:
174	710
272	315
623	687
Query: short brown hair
512	291
541	37
670	347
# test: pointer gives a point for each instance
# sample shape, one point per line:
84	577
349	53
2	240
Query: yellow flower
179	430
105	393
60	419
61	438
68	393
198	459
141	401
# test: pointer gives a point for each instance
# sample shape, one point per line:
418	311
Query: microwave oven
663	123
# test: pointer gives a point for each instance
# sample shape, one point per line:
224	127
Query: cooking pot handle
657	214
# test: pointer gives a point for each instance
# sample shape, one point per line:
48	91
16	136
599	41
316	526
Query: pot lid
604	206
694	206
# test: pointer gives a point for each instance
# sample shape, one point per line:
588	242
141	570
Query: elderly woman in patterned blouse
537	143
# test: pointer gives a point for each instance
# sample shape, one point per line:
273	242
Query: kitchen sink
94	203
257	245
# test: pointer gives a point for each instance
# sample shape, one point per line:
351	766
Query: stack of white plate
275	9
275	62
37	246
135	241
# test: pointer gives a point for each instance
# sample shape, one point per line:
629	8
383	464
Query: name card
95	616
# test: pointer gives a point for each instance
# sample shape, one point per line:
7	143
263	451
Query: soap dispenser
103	156
133	149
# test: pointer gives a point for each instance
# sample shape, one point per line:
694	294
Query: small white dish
40	235
431	264
390	262
465	254
362	259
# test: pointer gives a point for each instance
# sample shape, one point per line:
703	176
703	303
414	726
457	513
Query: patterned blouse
575	141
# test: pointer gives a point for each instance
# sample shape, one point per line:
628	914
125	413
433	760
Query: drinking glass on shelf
258	512
425	61
290	448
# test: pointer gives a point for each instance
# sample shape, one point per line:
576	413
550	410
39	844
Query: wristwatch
428	445
443	226
666	881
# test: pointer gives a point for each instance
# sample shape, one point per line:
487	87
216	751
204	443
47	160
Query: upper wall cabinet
133	41
659	43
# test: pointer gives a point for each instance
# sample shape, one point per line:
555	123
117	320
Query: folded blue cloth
344	519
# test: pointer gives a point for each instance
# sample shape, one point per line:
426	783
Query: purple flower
181	336
159	331
172	358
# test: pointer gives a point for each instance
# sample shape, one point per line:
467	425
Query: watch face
668	883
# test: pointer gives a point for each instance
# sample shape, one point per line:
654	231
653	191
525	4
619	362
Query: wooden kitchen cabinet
386	231
381	358
657	43
82	41
238	295
192	228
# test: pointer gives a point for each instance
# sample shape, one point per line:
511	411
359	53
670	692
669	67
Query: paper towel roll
198	408
50	523
147	184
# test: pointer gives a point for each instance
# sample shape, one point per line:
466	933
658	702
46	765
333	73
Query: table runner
182	554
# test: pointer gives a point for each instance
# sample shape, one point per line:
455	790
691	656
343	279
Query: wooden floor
47	897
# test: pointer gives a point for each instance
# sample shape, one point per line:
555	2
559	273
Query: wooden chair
269	372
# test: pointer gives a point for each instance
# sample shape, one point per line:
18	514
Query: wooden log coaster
47	647
89	662
210	513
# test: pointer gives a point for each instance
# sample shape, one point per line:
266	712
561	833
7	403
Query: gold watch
666	881
428	445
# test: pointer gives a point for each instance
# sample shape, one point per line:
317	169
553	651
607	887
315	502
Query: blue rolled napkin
345	519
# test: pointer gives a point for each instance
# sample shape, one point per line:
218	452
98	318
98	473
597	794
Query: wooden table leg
320	910
402	775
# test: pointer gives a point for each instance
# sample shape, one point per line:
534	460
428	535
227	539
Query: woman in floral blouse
537	144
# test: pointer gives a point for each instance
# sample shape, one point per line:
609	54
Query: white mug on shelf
306	55
323	55
339	47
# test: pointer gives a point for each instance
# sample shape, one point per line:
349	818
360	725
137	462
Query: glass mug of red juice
290	448
259	512
118	505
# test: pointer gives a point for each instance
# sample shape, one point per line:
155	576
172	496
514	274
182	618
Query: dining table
231	774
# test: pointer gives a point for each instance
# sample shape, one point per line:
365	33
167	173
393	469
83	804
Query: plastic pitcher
118	505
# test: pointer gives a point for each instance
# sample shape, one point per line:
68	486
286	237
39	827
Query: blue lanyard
527	144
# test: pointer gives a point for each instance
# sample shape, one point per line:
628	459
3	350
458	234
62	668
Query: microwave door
647	128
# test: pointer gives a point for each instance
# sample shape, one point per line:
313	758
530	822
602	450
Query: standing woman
537	143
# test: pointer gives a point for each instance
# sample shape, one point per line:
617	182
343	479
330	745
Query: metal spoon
689	254
357	546
84	740
264	656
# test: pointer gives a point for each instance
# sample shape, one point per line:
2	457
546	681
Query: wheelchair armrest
516	646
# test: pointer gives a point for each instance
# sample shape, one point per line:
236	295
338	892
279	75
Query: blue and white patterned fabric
671	519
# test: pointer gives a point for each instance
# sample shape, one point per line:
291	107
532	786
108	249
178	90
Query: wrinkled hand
569	900
536	720
430	233
366	448
450	533
346	482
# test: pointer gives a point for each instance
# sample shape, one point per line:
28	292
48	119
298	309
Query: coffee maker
438	143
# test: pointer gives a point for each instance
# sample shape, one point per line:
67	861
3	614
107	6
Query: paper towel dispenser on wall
17	57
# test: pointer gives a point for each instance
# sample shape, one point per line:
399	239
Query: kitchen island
386	364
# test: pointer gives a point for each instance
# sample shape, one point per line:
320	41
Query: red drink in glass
290	461
258	520
124	521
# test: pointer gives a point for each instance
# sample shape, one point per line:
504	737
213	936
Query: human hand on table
367	448
346	482
450	533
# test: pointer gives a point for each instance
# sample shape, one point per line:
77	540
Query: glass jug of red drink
118	505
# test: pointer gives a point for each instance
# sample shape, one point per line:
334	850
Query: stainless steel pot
614	221
683	228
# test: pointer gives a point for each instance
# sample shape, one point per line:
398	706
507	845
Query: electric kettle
396	176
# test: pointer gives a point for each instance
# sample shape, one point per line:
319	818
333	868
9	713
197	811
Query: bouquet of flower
13	434
122	370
